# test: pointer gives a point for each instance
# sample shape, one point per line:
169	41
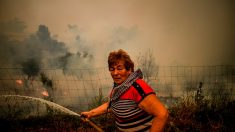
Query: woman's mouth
117	78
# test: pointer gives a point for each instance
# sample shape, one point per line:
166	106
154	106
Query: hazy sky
178	32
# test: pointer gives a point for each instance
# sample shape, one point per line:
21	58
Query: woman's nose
115	71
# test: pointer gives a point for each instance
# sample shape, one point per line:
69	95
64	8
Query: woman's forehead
119	63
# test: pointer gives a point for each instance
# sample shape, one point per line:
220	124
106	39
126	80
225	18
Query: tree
48	84
146	62
31	68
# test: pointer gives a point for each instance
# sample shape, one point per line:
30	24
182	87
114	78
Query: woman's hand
86	114
95	112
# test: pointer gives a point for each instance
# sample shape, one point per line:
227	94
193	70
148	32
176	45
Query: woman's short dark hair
115	56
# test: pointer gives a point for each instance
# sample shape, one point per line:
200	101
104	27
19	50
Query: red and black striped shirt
128	116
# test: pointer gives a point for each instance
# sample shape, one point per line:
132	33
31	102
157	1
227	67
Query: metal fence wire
75	88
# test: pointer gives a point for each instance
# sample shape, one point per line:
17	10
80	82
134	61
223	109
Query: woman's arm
96	111
152	105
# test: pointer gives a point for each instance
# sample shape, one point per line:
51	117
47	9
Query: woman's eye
119	68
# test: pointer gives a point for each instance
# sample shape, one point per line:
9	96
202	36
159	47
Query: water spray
53	106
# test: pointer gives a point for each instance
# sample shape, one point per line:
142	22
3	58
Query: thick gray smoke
39	47
34	54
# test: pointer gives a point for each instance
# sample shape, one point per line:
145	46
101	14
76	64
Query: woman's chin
118	82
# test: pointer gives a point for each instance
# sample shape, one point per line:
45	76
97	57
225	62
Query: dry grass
188	115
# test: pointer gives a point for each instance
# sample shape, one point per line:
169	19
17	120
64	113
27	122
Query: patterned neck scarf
120	89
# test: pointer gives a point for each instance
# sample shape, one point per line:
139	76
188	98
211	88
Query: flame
45	93
19	81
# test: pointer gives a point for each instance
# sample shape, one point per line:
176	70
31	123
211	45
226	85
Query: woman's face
119	72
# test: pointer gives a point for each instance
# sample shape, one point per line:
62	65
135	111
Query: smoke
14	25
123	36
39	47
31	68
94	47
37	52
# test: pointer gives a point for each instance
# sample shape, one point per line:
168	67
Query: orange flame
19	81
45	93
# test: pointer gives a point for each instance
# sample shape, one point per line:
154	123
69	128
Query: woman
132	100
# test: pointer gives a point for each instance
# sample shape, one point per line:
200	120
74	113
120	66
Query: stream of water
12	99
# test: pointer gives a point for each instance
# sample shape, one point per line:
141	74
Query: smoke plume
38	49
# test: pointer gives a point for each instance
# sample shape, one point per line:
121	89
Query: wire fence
76	88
